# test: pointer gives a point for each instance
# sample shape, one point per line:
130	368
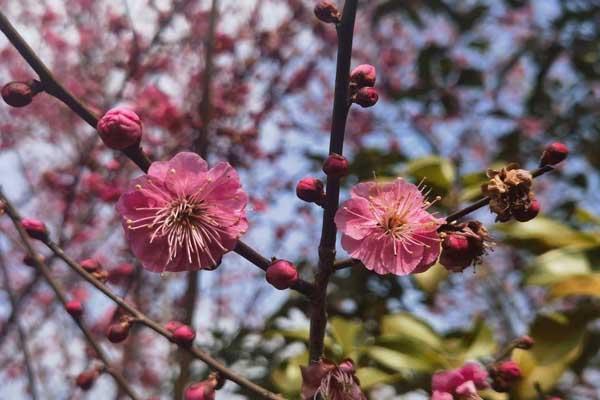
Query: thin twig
20	330
62	297
318	319
138	316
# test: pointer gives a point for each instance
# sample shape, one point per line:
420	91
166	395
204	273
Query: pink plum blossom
182	216
459	384
388	228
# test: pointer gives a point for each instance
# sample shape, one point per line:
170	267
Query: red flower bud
336	166
505	375
554	154
524	342
184	335
456	252
121	273
120	128
363	76
118	332
35	228
366	97
29	261
86	379
310	190
529	213
204	390
20	94
327	12
282	274
171	326
90	265
75	308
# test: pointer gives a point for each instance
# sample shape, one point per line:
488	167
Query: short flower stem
62	297
133	311
318	318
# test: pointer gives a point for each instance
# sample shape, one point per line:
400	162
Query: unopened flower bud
456	252
366	97
554	153
35	228
282	274
204	390
20	94
74	308
121	273
118	332
120	128
171	326
363	76
86	379
310	190
505	375
184	335
91	265
29	261
336	166
529	213
327	12
524	342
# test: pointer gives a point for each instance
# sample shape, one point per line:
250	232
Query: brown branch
46	77
138	316
62	297
318	318
20	330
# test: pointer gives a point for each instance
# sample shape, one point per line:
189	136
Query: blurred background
464	85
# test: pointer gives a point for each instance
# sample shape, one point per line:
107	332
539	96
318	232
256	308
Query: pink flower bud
35	228
86	379
505	375
20	94
120	128
90	265
74	308
456	252
204	390
184	335
310	190
524	342
29	261
118	332
327	12
121	273
363	76
171	326
336	166
366	97
554	154
529	213
282	274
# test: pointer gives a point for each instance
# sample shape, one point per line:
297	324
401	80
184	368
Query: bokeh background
464	85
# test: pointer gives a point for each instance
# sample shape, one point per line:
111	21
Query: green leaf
430	280
398	361
579	285
558	342
543	233
555	265
370	377
287	377
404	325
345	333
438	172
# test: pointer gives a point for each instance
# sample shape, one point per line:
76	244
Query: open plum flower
182	216
388	228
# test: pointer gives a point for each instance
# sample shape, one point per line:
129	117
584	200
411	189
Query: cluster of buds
327	12
362	82
463	245
119	331
204	390
21	94
182	334
282	274
94	267
509	190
